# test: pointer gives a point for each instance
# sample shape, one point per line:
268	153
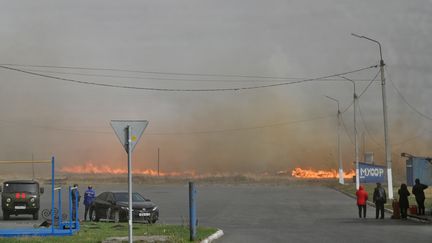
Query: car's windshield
21	187
124	197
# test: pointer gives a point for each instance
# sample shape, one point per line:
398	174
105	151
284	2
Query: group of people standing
89	197
380	198
418	191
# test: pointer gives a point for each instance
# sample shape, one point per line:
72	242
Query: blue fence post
192	211
76	210
52	195
70	209
60	208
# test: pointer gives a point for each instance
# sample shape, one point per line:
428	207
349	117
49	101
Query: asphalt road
268	213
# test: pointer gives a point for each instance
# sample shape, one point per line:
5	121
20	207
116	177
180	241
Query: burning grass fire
319	174
90	168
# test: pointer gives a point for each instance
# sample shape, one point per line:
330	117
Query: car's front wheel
152	221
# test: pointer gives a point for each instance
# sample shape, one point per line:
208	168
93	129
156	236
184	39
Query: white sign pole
129	128
129	132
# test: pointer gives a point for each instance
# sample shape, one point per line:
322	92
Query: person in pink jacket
362	197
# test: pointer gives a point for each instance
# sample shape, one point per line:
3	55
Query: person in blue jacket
89	197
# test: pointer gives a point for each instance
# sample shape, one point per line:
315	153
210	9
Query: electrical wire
374	140
245	128
369	84
179	133
364	90
379	146
346	130
182	90
14	123
175	79
405	100
157	78
421	133
151	72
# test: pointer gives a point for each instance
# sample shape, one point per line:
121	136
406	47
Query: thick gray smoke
261	130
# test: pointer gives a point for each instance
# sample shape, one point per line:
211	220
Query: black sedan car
114	206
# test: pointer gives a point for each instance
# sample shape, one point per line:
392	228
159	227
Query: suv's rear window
10	187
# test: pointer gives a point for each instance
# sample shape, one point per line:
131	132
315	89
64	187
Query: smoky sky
258	130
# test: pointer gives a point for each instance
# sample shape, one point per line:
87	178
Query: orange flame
319	174
90	168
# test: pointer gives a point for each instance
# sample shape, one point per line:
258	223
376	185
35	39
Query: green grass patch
96	232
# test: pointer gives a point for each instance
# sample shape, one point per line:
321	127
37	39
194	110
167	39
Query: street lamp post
341	174
355	132
384	102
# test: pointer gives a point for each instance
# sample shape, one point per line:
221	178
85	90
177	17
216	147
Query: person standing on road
75	198
379	198
89	196
403	200
362	197
418	191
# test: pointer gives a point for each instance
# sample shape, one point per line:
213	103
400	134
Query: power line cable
364	90
15	123
182	90
245	128
176	79
369	84
379	146
347	108
346	130
156	78
151	72
406	102
181	133
374	140
421	133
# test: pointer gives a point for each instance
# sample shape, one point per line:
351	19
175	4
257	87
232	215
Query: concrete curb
385	209
214	236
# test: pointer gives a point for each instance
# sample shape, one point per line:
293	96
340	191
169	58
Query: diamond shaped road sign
121	129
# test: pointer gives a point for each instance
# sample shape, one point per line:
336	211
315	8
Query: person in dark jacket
418	191
75	197
403	200
362	197
379	198
89	196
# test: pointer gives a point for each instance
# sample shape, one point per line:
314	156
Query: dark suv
20	197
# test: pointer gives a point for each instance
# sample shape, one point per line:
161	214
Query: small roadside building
418	167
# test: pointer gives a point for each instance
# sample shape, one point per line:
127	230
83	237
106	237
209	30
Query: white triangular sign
121	129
